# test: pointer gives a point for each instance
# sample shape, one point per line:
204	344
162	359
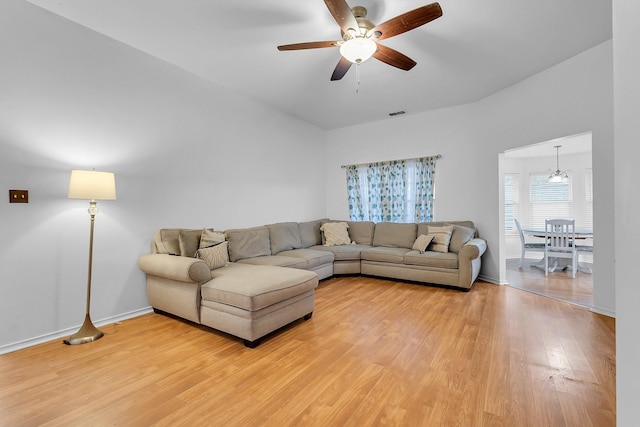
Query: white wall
626	33
186	153
570	98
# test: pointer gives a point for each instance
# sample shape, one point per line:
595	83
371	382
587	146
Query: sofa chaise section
248	301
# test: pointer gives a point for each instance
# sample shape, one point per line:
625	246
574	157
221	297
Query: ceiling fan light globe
358	49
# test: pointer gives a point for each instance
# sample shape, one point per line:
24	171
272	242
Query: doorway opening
530	198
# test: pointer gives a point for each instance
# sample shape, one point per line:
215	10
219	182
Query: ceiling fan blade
341	12
308	45
341	69
394	58
407	21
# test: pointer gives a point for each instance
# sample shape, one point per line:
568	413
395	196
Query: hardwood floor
376	352
558	285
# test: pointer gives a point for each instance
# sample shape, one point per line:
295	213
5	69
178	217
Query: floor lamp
92	186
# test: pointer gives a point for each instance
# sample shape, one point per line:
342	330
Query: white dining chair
560	237
526	246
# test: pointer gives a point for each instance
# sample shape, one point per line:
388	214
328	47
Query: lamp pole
88	332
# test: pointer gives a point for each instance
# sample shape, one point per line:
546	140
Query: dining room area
548	219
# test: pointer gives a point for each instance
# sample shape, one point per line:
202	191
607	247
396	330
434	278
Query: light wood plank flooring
376	352
558	284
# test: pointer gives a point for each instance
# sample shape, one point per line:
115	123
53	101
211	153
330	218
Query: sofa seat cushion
432	259
345	252
277	260
254	287
379	253
313	257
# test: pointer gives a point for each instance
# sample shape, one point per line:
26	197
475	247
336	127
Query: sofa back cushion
394	235
284	236
248	243
168	241
189	241
310	233
361	232
177	241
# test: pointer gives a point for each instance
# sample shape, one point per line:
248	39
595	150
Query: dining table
580	234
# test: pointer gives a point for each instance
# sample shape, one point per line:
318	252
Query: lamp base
87	333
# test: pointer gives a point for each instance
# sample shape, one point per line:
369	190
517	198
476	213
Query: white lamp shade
358	49
558	176
92	185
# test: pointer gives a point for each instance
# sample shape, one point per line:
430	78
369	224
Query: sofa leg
308	316
251	344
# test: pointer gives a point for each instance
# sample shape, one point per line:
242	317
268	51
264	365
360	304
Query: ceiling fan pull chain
357	77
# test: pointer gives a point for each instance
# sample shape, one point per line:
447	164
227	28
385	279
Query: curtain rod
437	156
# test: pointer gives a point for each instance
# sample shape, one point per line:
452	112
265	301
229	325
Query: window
588	186
549	199
511	199
394	191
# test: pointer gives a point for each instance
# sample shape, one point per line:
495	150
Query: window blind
511	200
588	186
549	199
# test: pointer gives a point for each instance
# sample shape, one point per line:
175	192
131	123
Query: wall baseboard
490	280
30	342
603	311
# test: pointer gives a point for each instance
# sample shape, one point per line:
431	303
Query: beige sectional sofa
269	278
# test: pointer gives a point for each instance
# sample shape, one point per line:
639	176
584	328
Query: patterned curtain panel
356	210
394	191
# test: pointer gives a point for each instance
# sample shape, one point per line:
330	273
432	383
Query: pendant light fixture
558	176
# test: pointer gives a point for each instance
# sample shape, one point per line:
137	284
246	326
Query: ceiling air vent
397	113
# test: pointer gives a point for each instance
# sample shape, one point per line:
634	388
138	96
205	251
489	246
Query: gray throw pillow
459	237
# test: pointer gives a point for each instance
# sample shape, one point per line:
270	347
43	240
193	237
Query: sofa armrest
469	262
473	249
182	269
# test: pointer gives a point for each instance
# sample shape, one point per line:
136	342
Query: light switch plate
18	196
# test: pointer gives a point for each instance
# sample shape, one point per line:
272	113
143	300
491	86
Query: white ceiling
573	144
475	49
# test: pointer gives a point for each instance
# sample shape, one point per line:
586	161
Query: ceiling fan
360	36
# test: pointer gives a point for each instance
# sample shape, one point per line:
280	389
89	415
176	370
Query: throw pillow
422	242
441	238
336	233
460	236
214	256
211	238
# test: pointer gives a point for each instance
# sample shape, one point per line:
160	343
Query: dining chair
560	237
526	246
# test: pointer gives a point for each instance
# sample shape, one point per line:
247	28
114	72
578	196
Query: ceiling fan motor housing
365	24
